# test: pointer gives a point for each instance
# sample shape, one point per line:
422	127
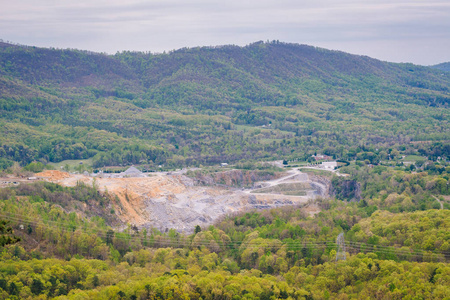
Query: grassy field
73	164
414	158
292	189
298	164
317	172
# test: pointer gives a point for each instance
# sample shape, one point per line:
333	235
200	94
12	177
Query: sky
396	31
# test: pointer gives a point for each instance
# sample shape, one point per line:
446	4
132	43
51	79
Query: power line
165	241
370	246
297	245
340	255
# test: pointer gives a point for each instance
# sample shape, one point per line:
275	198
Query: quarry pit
165	201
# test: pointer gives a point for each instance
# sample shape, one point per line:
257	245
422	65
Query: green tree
6	234
36	286
13	289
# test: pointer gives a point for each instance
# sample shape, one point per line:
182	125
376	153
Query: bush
34	167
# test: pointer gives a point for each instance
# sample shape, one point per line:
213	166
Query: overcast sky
397	31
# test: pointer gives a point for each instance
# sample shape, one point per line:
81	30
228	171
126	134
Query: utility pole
340	255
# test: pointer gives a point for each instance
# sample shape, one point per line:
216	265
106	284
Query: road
322	169
293	176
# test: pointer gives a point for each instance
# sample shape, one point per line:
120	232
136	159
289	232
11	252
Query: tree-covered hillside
392	251
58	244
443	66
387	125
213	104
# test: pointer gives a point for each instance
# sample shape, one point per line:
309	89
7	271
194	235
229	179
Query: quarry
174	200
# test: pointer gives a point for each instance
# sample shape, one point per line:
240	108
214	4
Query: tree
37	286
148	289
13	289
197	229
6	234
121	295
109	237
95	281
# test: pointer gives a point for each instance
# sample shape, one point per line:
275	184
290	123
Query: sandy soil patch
53	175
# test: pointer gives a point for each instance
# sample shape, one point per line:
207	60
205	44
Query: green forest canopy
210	105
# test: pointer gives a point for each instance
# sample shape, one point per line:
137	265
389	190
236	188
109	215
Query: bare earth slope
173	201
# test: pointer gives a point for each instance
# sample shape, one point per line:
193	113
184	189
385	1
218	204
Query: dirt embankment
53	175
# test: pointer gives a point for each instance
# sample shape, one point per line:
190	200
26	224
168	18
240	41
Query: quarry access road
294	176
291	174
440	202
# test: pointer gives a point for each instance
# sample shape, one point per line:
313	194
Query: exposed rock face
176	201
234	178
322	184
345	189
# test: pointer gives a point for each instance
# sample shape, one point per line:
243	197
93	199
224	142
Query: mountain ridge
178	103
445	66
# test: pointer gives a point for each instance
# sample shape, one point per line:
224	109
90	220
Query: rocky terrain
176	201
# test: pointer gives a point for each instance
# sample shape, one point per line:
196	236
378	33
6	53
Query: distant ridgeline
211	105
442	67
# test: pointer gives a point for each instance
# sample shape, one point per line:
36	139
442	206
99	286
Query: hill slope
208	105
443	66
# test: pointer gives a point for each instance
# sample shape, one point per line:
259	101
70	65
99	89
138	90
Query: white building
329	165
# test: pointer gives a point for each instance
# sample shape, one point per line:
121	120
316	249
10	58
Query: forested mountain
212	104
443	66
387	123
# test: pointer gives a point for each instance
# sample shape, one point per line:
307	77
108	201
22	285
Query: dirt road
440	202
311	188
